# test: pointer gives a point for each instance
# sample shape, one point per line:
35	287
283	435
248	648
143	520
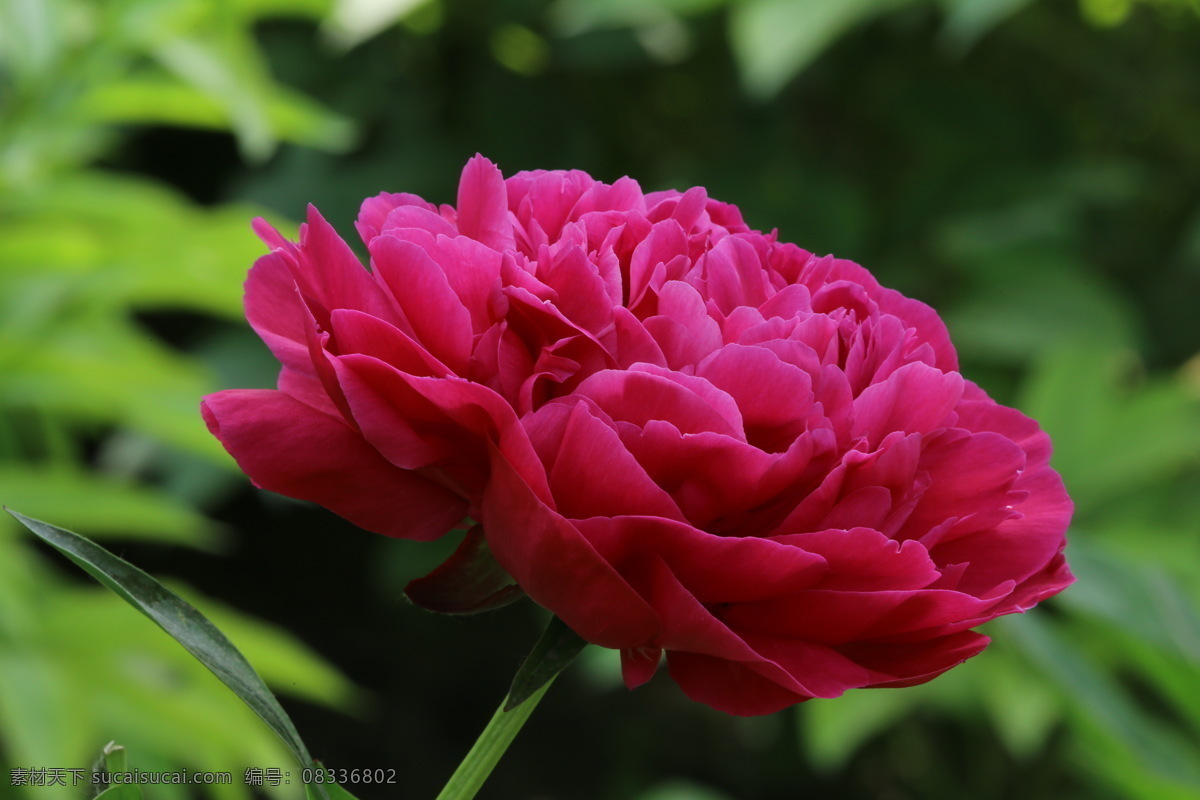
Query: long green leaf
183	622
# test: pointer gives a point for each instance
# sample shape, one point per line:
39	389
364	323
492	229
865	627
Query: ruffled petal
287	447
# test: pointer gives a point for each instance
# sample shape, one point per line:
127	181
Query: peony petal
913	663
366	335
638	665
839	617
437	316
773	397
418	422
729	686
690	404
665	241
276	311
404	220
483	205
709	475
287	447
373	213
862	560
915	399
1020	547
595	476
330	275
713	569
971	478
538	547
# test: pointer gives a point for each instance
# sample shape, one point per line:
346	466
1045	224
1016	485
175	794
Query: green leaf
280	658
113	759
1141	598
968	20
149	99
179	619
106	505
354	21
1108	713
774	40
31	36
553	652
1092	404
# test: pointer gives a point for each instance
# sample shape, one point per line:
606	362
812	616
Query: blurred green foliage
98	418
1029	167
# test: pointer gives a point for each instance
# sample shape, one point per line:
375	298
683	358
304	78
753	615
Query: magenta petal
363	334
665	241
730	686
638	665
375	210
691	404
912	663
418	422
835	617
861	559
915	398
483	205
709	475
595	476
714	569
287	447
774	397
438	317
276	311
688	626
330	275
538	547
1019	547
735	277
971	478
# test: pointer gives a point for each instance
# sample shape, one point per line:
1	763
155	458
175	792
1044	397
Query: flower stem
488	749
557	647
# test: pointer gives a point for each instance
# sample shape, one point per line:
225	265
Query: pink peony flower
678	434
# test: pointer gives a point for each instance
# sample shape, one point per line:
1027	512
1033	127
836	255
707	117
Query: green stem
556	648
489	747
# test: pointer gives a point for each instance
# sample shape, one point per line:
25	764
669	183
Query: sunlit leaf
968	20
1102	705
773	40
354	21
1142	598
1113	432
103	505
158	99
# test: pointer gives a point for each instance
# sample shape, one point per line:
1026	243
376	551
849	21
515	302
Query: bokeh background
1031	168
